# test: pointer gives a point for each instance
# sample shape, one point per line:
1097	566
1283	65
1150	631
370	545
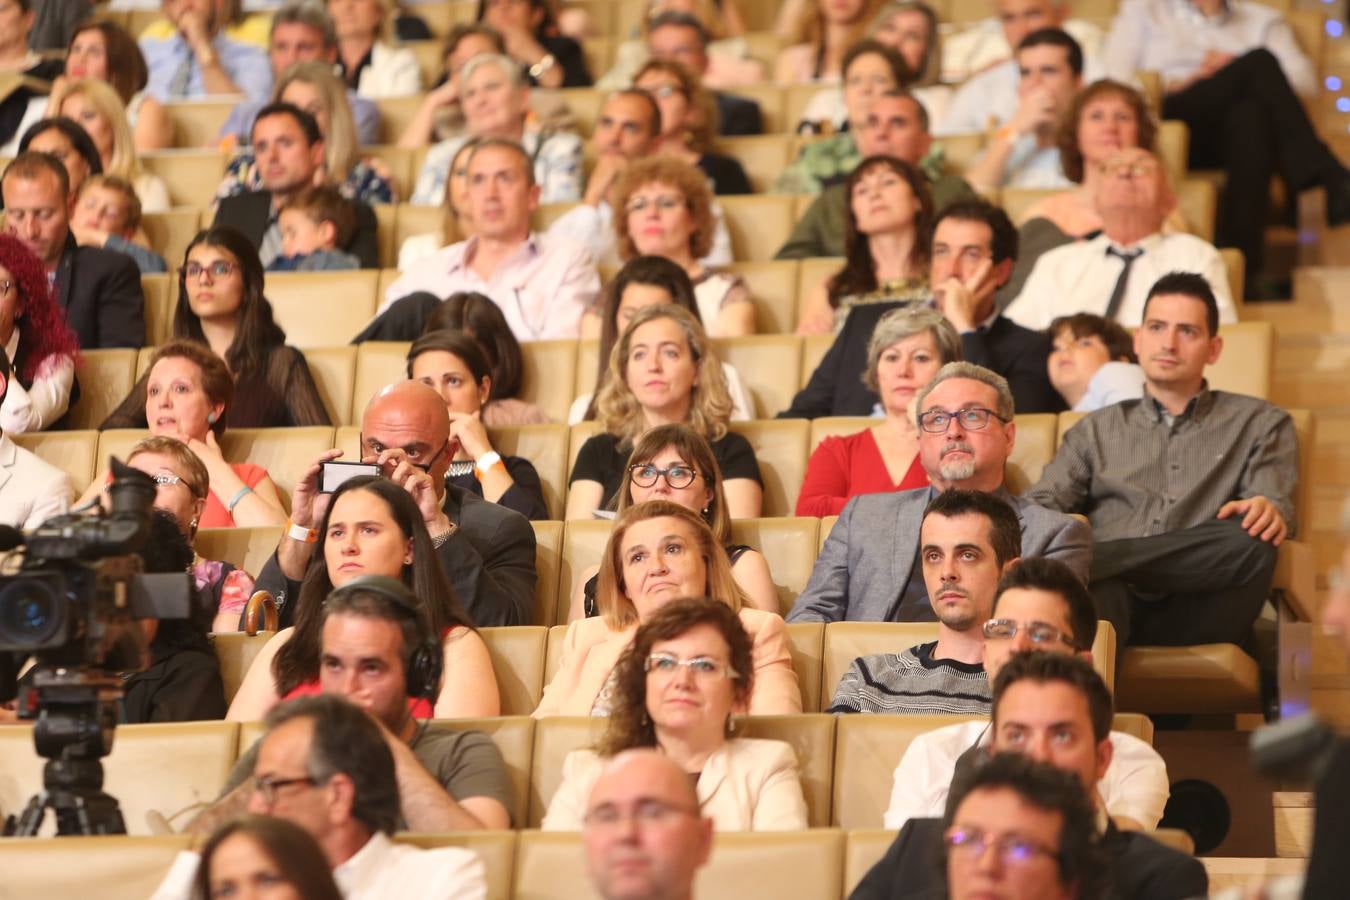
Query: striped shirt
912	682
1135	472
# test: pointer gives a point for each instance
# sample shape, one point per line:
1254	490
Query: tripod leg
31	820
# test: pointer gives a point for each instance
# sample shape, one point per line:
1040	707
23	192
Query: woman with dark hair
643	281
549	59
39	344
186	394
888	233
68	142
689	670
453	365
870	69
689	123
252	850
371	526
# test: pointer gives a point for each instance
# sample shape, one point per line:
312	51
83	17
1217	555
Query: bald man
487	550
645	837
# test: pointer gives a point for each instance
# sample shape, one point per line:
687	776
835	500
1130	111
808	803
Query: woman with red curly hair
38	341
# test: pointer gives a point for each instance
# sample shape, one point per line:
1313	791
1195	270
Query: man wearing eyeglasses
1110	275
1041	605
325	766
1053	708
870	568
643	833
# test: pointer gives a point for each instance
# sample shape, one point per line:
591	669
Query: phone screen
334	473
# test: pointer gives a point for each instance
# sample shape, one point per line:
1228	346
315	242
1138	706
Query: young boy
1092	363
108	214
314	224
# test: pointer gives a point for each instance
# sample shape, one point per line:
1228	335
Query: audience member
329	767
1093	364
1111	274
19	61
99	290
453	364
897	127
974	247
689	669
69	144
221	306
107	214
102	49
689	123
660	551
31	489
870	568
828	31
1234	73
495	99
906	351
645	281
967	540
55	23
486	550
662	371
888	226
668	211
371	525
549	58
35	336
1042	606
668	840
1185	545
289	150
189	56
186	394
681	37
302	31
95	106
872	68
542	285
314	224
251	851
675	463
456	225
911	28
1024	152
369	61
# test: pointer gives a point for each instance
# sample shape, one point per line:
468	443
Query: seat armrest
1296	579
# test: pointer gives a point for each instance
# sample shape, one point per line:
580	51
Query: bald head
411	416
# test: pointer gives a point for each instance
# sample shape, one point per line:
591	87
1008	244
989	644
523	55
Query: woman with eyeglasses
672	462
40	345
186	394
659	552
689	123
907	349
689	670
668	211
662	371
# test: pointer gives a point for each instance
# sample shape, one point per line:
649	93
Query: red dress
216	515
841	468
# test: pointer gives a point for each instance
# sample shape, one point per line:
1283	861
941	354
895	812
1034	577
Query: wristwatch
538	69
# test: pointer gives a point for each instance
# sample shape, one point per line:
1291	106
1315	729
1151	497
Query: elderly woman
662	371
689	123
667	211
37	341
689	670
672	462
888	227
907	348
95	107
369	61
660	551
496	102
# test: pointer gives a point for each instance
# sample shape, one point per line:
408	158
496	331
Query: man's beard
956	618
956	469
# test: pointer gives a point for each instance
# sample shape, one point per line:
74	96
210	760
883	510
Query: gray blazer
867	559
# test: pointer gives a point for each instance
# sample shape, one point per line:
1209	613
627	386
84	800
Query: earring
193	524
731	725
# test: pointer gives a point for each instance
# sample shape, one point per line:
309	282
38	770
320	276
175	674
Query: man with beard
968	539
869	569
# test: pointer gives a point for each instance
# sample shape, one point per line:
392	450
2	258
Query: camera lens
31	613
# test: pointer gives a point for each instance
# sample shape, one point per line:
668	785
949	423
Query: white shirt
41	404
31	490
393	72
381	870
1135	784
992	95
1034	167
594	227
1172	37
1080	277
542	288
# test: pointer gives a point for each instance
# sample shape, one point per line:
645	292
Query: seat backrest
812	739
248	548
836	426
170	231
399	161
334	372
773	287
1198	201
780	448
796	97
378	363
396	113
814	348
1032	451
197	123
414	220
497	849
554	738
1305	429
758	224
546	447
517	653
1104	654
815	270
789	547
514	737
235	651
284	452
583	546
863	849
768	96
190	175
585	104
73	452
1247	361
164	767
761	360
106	377
548	372
1173	143
553	651
123	868
1235	268
386	251
846	641
1065	421
588	358
322	309
762	156
826	523
806	644
160	291
548	538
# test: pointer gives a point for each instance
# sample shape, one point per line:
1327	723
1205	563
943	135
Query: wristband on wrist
486	463
239	495
301	533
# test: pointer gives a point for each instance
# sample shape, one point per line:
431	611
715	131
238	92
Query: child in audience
108	214
314	225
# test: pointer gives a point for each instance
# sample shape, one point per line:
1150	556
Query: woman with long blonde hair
95	107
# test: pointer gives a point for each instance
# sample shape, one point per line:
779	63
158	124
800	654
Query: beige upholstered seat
236	651
161	291
583	546
322	309
806	643
548	538
517	653
780	448
497	849
111	867
789	548
761	360
73	452
773	287
334	373
554	738
191	176
248	548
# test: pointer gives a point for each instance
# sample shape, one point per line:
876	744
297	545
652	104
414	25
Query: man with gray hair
870	570
324	765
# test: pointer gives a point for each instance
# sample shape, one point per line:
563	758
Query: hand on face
961	299
1035	109
394	464
468	432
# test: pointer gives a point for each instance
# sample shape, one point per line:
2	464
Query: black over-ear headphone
425	661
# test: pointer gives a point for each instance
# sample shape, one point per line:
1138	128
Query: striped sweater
912	682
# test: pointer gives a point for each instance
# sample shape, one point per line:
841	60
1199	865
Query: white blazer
393	72
31	491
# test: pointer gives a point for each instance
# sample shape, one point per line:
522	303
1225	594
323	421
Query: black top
592	609
737	115
603	459
251	213
183	687
1329	865
568	55
726	174
100	291
526	496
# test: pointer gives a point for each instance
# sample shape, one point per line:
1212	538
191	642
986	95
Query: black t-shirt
602	459
726	174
